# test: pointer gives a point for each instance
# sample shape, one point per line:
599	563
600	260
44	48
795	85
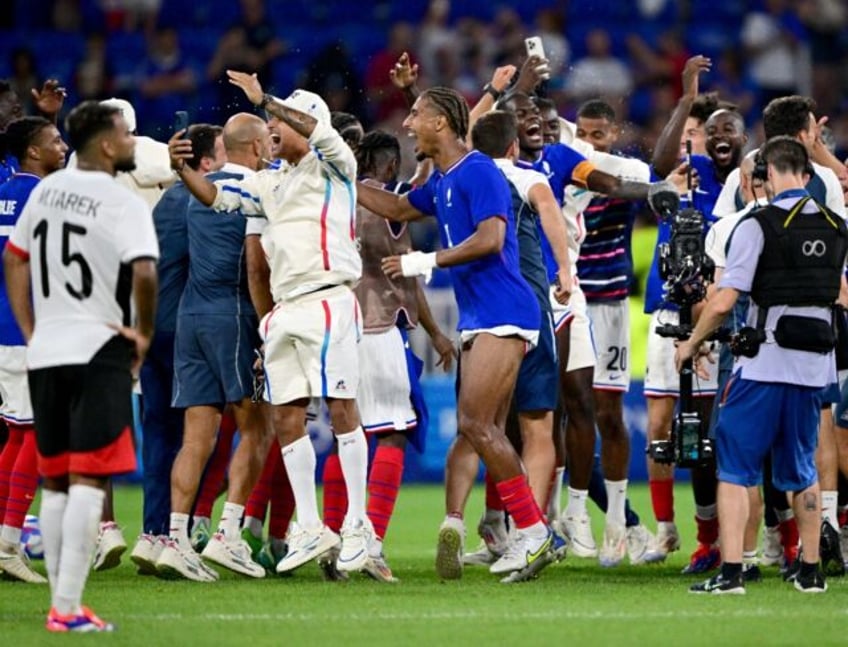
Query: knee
344	416
475	430
610	425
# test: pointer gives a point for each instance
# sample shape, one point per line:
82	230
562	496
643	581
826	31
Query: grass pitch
571	603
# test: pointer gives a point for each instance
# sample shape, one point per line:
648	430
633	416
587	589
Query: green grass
570	603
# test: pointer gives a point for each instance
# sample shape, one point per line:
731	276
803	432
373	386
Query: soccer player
216	338
82	246
498	314
773	399
37	145
311	334
162	424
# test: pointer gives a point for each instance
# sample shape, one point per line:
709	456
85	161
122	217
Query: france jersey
169	218
14	194
217	279
490	291
562	165
8	167
703	199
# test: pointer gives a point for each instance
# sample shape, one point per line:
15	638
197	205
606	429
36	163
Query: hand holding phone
535	48
181	122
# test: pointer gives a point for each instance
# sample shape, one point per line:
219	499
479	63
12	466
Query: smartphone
181	122
535	48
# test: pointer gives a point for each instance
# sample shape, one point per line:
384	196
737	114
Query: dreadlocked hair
20	134
450	103
373	146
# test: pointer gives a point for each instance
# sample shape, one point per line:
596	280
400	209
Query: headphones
760	171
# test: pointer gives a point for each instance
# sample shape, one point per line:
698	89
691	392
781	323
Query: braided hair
374	148
450	103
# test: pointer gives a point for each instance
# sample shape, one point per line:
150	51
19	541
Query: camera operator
789	256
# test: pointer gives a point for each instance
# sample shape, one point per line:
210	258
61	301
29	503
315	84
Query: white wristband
418	263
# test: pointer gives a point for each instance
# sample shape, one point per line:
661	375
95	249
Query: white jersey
715	244
311	211
726	203
80	231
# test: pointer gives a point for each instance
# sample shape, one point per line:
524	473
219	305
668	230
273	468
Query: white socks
11	535
254	525
79	535
616	497
299	459
179	529
706	512
576	503
830	501
353	455
51	514
231	521
556	494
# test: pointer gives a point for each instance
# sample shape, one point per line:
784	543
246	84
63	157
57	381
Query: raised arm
386	204
667	149
300	122
404	76
180	150
491	93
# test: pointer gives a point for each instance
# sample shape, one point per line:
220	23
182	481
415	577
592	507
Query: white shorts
310	347
581	346
611	328
661	377
530	337
383	399
16	408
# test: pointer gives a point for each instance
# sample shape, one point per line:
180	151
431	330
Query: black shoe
791	572
831	555
751	573
717	585
812	582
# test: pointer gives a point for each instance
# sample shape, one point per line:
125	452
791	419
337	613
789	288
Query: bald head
241	130
750	188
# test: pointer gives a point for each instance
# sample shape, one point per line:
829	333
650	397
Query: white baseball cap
310	103
126	109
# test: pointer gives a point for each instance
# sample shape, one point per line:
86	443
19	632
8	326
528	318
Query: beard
125	165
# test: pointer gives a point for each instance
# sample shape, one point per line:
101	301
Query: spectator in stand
165	80
251	44
509	33
24	75
93	76
332	76
663	66
735	85
438	45
550	26
825	21
600	74
383	96
772	38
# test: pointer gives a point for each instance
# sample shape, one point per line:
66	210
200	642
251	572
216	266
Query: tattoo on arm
810	502
301	122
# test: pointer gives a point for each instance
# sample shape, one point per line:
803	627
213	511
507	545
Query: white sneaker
177	562
449	549
377	568
578	530
356	536
667	541
145	553
109	548
772	548
15	564
234	555
614	545
639	539
495	539
523	552
305	544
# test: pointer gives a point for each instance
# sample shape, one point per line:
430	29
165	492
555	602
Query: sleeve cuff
17	251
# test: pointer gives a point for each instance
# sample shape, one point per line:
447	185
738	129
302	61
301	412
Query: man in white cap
311	334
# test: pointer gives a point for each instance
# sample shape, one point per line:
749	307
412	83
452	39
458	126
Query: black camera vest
803	256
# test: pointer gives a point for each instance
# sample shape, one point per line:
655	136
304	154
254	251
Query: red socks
335	493
662	499
519	502
23	480
260	495
282	498
707	530
493	499
216	468
7	463
383	485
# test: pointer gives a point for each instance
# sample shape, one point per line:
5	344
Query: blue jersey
605	265
490	291
561	164
217	276
8	167
703	199
530	259
169	218
14	194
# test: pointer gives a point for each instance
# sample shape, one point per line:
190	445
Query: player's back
217	279
81	230
169	218
14	194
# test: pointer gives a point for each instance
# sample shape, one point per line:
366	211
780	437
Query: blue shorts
537	386
841	415
213	359
830	395
761	417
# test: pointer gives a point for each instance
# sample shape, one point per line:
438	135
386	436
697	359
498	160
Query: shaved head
241	130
